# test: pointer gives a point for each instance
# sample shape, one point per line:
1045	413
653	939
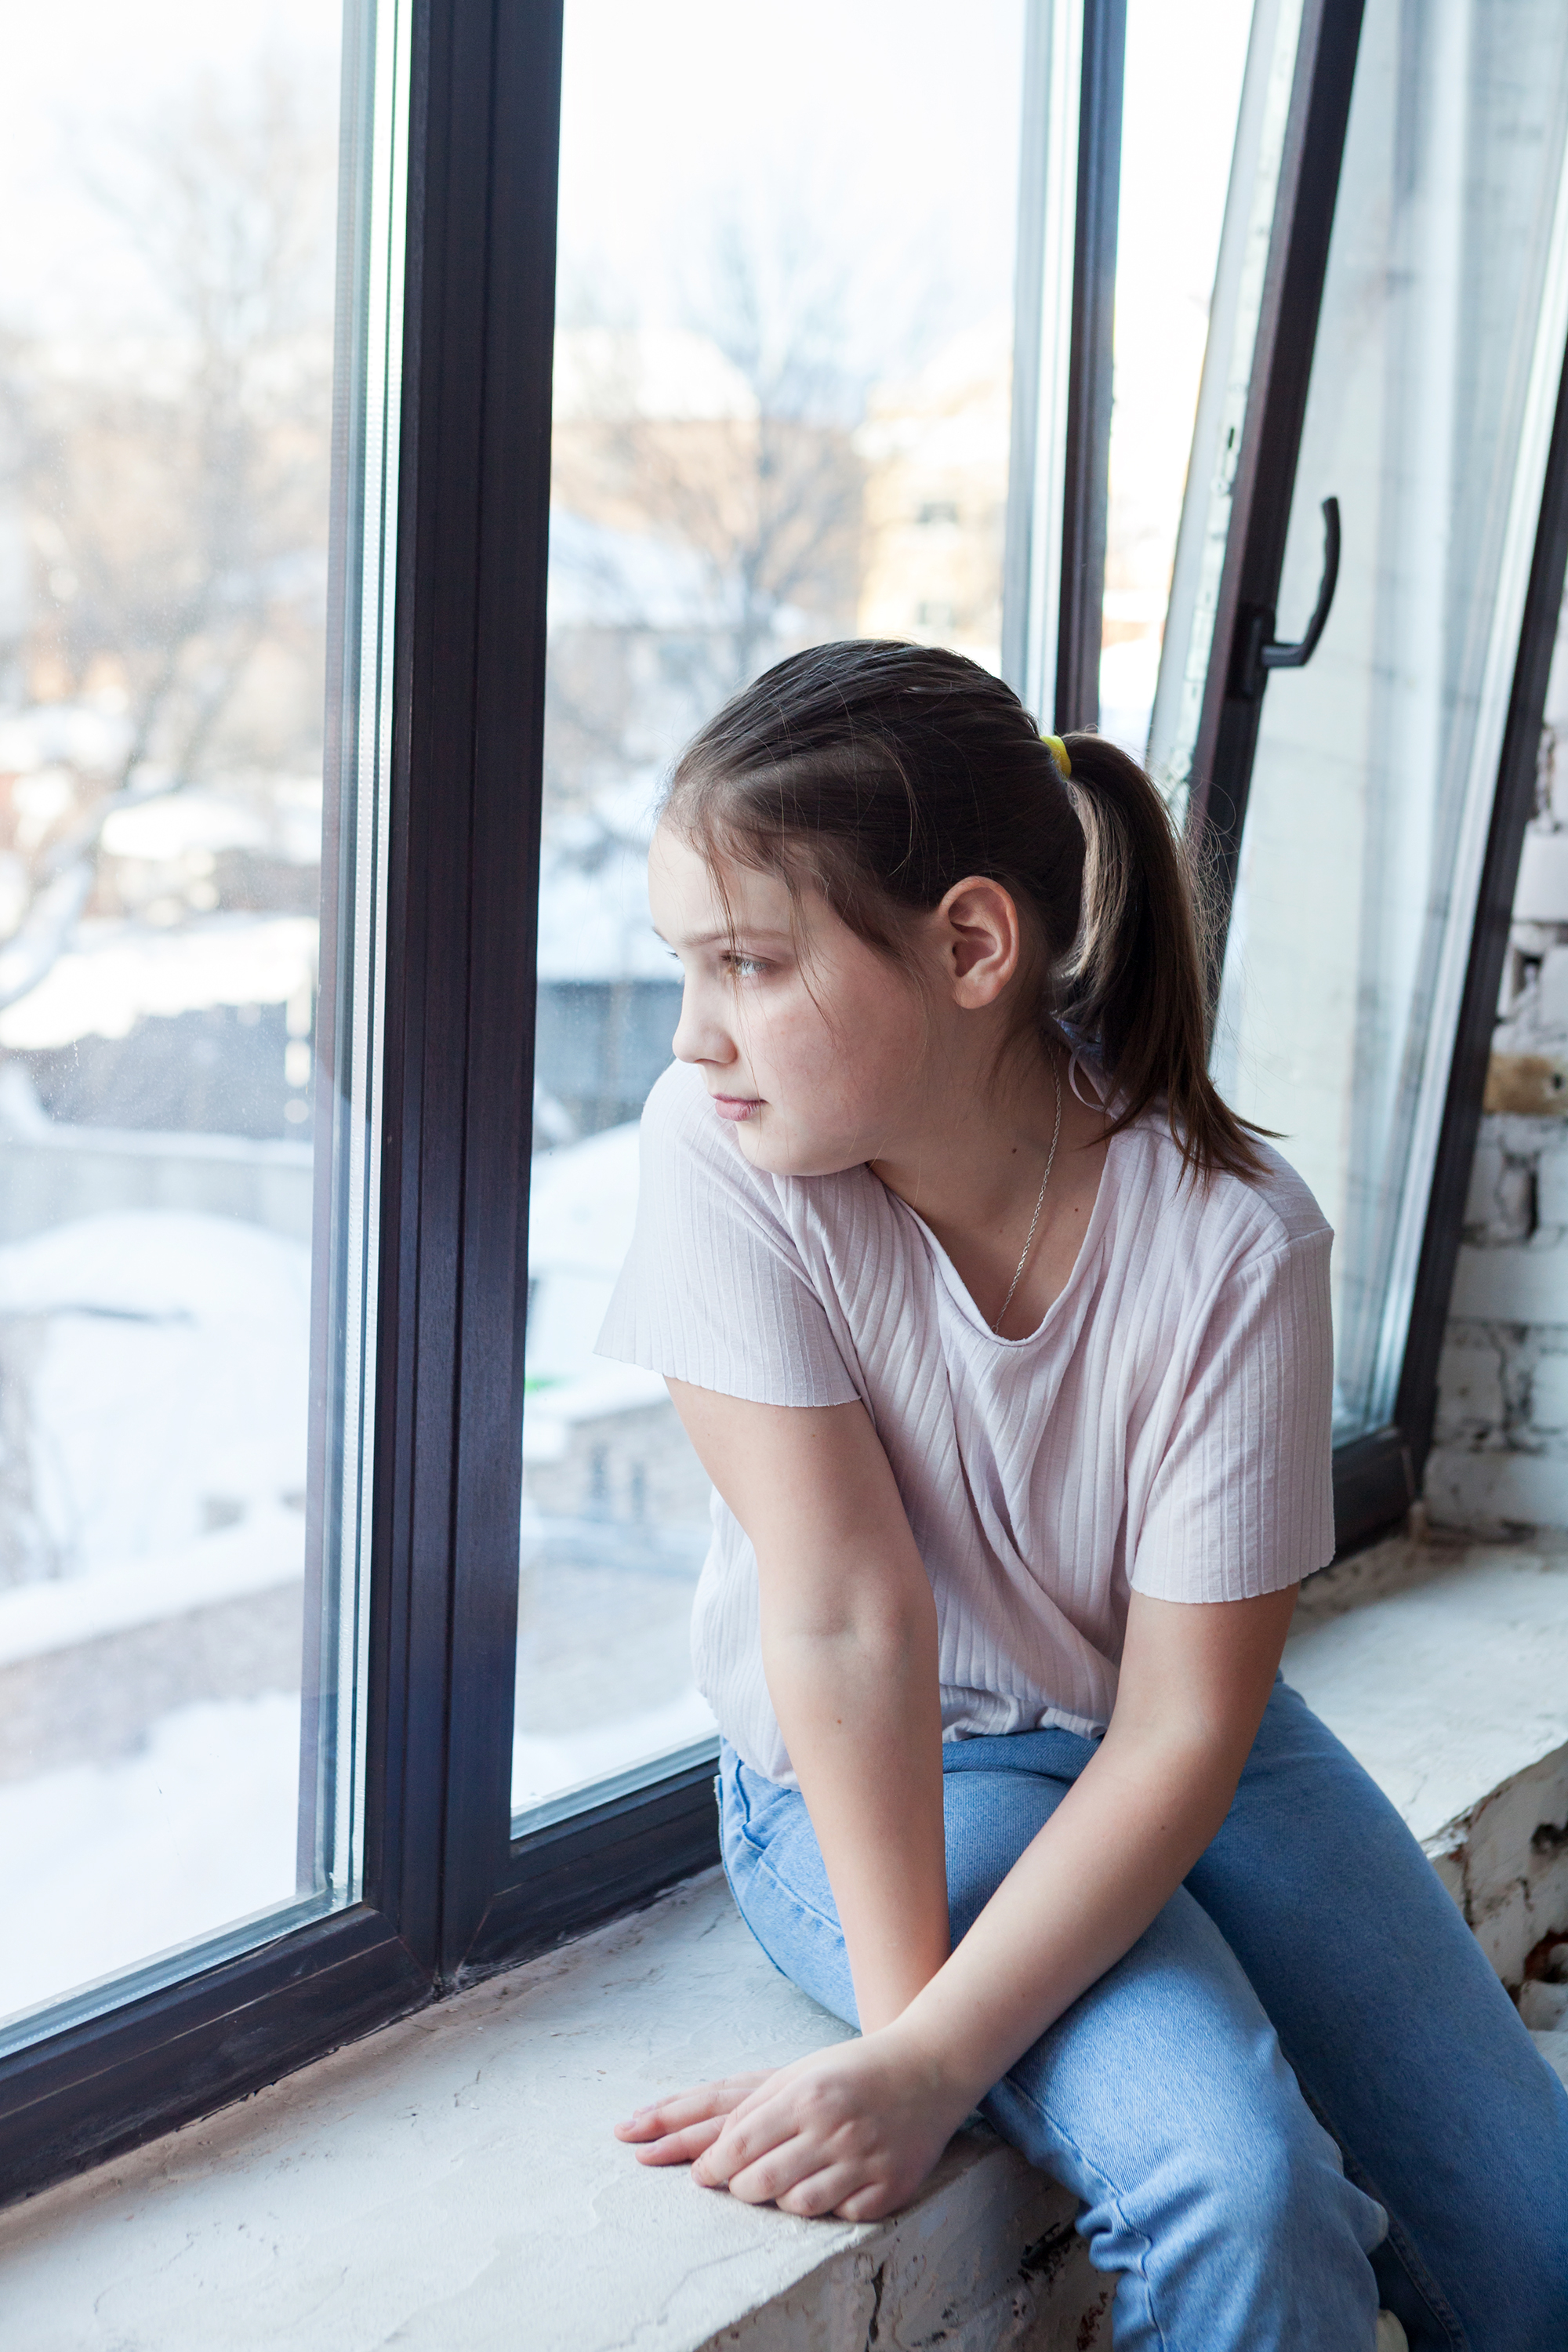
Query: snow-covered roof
119	973
161	1265
279	816
171	1371
266	1550
582	1201
83	734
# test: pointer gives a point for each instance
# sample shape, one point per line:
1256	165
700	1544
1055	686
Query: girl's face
813	1046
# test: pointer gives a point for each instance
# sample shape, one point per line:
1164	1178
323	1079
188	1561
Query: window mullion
511	454
1068	183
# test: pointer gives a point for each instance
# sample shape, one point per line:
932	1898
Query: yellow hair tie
1059	751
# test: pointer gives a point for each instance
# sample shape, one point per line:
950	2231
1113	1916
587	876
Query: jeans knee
1279	2194
1254	2238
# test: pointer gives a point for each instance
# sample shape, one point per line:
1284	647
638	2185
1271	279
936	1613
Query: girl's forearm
1107	1862
849	1649
861	1718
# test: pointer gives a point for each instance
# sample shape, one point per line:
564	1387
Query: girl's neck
973	1171
977	1149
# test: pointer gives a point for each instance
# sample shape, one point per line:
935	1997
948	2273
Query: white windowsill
453	2179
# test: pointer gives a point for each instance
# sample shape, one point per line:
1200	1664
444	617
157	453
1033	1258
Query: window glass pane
187	1047
1261	117
782	364
1431	398
1182	87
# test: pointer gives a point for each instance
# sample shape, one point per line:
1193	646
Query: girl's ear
978	937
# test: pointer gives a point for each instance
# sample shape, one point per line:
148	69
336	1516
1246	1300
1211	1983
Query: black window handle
1257	649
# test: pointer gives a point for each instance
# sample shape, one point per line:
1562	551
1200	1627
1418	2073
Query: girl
1006	1346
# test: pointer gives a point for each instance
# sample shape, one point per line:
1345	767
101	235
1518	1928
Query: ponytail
1134	980
882	773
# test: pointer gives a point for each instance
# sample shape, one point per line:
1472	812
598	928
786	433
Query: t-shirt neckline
1098	1216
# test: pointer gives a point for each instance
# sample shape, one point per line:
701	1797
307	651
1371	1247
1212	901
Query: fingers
794	2178
772	2177
767	2144
821	2192
683	2107
873	2201
742	2139
674	2113
682	2147
768	2152
840	2131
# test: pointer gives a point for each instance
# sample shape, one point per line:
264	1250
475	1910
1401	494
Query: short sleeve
1241	1502
713	1290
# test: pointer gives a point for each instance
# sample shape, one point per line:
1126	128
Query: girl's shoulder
1224	1215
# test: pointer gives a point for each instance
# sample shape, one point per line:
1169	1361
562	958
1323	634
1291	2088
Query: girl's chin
773	1150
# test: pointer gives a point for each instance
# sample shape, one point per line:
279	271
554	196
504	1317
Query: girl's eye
744	967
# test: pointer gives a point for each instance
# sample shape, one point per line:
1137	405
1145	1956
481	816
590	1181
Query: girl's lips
736	1106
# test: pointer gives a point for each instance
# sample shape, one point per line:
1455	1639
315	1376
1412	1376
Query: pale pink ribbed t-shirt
1166	1428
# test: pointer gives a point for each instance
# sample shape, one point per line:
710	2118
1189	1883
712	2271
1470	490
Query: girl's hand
852	2130
676	2129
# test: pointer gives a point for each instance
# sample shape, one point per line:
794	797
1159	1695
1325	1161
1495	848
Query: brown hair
883	773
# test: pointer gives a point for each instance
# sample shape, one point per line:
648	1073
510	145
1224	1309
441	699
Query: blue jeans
1302	2092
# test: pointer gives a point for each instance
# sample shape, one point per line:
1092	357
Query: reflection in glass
784	352
170	182
1262	115
1431	397
1181	93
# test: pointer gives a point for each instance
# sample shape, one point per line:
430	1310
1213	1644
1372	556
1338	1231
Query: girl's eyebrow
728	937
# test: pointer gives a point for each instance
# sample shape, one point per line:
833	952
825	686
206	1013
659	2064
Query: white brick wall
1499	1459
1501	1456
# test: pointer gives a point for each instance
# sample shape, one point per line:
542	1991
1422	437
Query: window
1378	765
344	636
770	382
189	990
1170	210
1388	312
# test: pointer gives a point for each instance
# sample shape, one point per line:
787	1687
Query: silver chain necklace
1039	1203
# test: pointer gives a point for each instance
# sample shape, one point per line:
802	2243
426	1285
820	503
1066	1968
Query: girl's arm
849	1649
855	2129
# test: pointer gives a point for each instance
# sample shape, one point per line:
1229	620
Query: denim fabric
1302	2092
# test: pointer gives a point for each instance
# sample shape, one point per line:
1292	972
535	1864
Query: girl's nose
698	1037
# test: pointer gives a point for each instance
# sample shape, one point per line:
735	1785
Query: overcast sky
77	74
888	128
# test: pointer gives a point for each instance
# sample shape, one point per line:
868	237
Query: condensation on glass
1428	416
783	383
193	568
